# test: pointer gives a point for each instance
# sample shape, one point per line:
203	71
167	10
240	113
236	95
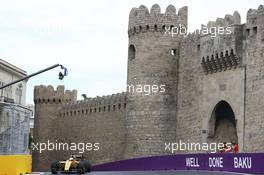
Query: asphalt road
151	173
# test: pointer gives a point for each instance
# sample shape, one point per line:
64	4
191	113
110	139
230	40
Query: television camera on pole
61	75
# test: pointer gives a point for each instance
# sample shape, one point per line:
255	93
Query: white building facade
17	92
14	116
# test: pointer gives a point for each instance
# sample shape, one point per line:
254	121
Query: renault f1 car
76	163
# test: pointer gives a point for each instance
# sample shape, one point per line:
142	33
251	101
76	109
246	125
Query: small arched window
173	52
131	52
140	28
147	27
156	27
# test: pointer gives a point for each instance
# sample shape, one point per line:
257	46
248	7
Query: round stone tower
153	55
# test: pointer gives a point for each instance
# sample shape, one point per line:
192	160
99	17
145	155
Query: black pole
31	75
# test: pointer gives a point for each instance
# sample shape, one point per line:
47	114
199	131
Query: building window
198	47
131	52
155	27
140	28
255	30
173	52
17	119
147	27
247	32
2	92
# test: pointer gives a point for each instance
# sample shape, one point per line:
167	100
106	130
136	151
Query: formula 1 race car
76	163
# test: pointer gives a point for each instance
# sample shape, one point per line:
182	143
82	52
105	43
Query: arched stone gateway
222	124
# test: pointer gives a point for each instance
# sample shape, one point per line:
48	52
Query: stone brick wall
97	120
189	120
254	58
59	118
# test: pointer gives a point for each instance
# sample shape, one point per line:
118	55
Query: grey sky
88	37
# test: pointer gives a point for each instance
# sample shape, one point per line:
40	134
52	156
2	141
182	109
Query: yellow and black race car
76	163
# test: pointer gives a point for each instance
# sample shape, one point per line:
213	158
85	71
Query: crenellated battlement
255	24
108	103
141	20
228	20
253	16
47	94
221	47
97	101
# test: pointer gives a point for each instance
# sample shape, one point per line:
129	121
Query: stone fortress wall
97	120
214	92
66	120
253	56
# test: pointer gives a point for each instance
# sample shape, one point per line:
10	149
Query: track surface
151	173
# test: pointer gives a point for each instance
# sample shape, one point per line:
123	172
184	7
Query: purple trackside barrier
240	162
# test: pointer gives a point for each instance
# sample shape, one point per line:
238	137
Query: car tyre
87	165
81	167
55	167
